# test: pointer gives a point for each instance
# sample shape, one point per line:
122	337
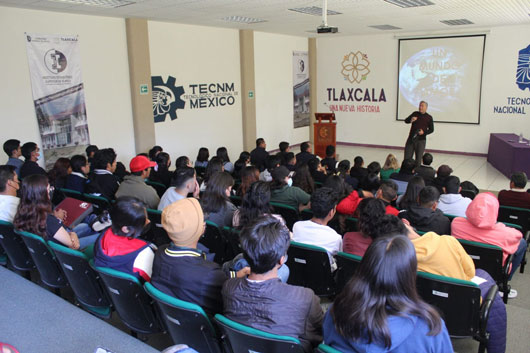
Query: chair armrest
506	268
485	309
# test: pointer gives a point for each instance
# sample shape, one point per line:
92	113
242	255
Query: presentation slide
446	72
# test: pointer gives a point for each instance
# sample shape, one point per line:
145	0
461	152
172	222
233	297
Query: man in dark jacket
258	155
180	269
261	300
31	154
426	217
421	126
425	170
305	154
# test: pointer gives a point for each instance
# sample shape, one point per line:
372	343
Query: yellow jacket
443	255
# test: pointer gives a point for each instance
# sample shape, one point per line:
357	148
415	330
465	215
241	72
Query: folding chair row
100	203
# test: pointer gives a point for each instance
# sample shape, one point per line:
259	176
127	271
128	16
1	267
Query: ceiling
356	15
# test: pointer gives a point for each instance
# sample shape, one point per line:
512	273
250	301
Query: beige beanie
183	221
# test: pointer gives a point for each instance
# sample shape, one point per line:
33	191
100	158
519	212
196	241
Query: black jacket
427	173
426	220
30	168
186	274
275	307
258	156
304	157
104	184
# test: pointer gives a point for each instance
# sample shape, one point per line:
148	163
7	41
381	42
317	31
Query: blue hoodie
409	334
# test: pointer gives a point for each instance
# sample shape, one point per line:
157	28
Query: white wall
105	71
273	62
500	60
195	55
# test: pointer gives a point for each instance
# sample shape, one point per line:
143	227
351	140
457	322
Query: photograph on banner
300	88
58	94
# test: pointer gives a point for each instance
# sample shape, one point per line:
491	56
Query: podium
324	133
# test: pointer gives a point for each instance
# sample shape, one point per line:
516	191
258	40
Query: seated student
185	183
343	170
516	196
410	197
255	203
215	200
305	154
153	152
380	310
215	165
390	167
119	247
31	153
406	172
183	161
284	149
134	184
161	173
316	230
358	171
249	175
481	225
371	182
443	172
77	179
258	155
222	153
202	157
371	211
290	161
59	173
271	163
102	180
261	300
348	205
330	163
283	193
90	152
9	185
241	163
451	202
425	216
302	178
13	151
444	255
425	170
35	215
387	193
318	172
180	269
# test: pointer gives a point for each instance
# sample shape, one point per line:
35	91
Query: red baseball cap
140	163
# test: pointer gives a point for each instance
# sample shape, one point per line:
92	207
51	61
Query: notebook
76	211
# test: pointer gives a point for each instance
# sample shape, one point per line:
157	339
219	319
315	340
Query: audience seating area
145	310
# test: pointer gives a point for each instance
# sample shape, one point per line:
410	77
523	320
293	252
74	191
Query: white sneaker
99	226
511	295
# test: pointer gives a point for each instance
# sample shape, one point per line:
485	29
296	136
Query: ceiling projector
327	29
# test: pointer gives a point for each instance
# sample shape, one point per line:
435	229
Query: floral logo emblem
355	67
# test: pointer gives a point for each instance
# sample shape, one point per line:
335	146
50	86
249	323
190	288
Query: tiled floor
474	169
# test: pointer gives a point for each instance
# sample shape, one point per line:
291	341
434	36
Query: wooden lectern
325	133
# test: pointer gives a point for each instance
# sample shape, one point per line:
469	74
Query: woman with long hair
302	178
343	170
242	162
380	310
222	153
60	171
249	175
35	215
215	200
215	165
202	157
372	182
410	197
337	184
161	173
255	203
391	166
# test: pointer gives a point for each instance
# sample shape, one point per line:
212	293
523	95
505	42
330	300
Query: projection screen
446	72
